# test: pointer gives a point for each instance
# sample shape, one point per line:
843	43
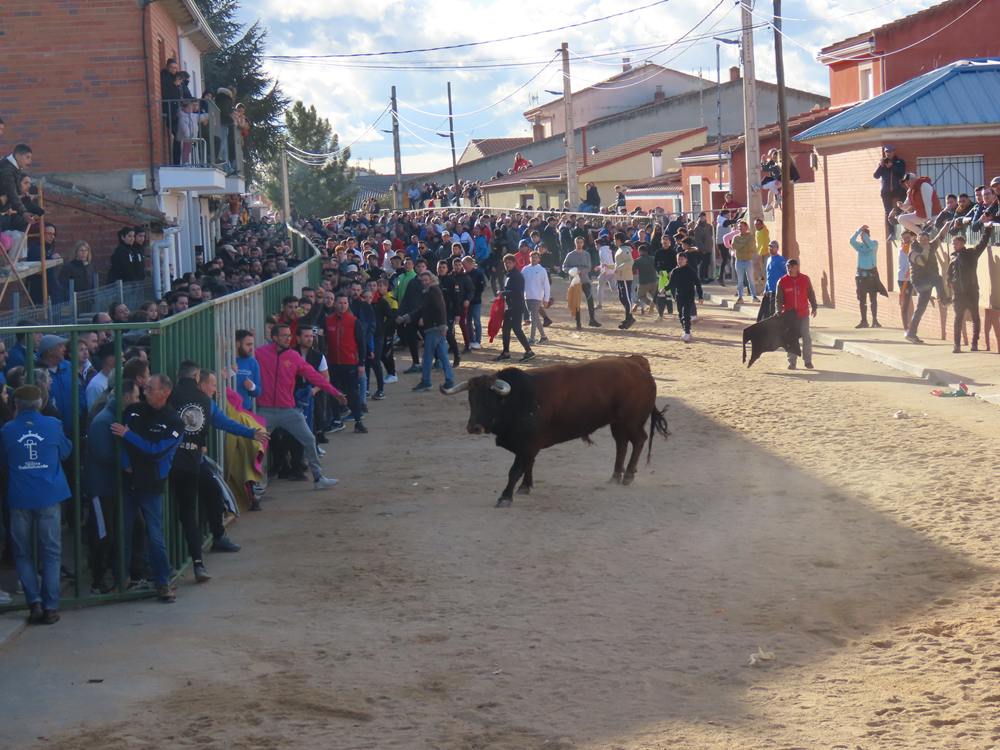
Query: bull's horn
501	386
457	388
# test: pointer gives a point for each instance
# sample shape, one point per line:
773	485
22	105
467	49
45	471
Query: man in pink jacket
279	366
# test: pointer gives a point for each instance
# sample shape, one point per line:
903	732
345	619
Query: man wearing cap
52	356
32	447
890	171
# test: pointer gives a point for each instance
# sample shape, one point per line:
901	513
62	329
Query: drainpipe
149	104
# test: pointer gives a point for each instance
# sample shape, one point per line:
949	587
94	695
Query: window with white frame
695	195
866	83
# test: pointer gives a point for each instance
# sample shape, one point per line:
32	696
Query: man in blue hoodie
247	369
32	447
52	356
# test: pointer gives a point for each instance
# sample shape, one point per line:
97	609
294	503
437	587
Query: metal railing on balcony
205	334
197	134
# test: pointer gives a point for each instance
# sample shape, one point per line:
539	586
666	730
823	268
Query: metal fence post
73	301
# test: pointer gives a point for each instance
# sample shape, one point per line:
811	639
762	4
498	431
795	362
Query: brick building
946	125
82	87
868	64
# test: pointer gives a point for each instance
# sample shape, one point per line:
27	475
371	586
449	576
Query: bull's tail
657	423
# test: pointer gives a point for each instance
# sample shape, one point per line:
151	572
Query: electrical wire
837	18
314	159
488	106
475	44
866	58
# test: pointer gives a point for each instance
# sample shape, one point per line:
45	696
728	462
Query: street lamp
718	96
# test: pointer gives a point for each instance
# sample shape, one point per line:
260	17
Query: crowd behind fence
205	334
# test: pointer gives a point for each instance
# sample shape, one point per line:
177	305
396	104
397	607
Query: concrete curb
11	626
932	375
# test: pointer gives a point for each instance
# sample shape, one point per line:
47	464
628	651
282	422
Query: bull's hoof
504	502
524	490
615	479
628	479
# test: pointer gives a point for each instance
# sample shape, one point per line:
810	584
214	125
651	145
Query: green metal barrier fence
205	334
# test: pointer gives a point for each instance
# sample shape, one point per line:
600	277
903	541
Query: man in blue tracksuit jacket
151	434
247	369
32	447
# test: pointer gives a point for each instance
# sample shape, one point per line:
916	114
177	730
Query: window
867	88
695	195
952	174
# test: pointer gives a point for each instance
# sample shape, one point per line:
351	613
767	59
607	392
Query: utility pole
451	135
572	187
788	244
395	154
752	142
286	208
718	107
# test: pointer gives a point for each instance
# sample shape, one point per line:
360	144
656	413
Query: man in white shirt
536	291
105	360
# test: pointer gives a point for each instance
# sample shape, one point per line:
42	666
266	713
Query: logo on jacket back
193	417
30	441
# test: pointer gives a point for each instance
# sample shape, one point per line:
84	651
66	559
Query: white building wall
190	60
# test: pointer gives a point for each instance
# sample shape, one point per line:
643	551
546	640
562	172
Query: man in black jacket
151	434
452	293
890	171
964	279
513	296
412	299
432	315
11	172
684	283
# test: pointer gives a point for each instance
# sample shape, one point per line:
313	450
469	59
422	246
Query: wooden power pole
788	245
572	186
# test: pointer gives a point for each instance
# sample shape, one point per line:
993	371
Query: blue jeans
151	505
744	276
49	552
435	345
475	318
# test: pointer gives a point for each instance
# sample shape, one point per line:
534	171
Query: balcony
200	148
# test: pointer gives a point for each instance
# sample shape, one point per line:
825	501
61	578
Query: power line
474	44
488	106
873	56
316	159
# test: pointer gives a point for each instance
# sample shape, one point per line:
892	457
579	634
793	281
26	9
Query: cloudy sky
352	96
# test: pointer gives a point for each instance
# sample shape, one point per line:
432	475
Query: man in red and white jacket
279	366
921	205
795	293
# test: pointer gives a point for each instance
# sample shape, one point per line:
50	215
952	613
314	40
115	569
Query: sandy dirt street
788	512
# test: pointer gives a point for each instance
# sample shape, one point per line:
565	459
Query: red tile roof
555	169
492	146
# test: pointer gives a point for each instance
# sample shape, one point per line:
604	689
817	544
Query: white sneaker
5	598
324	483
686	338
320	450
391	379
694	318
475	345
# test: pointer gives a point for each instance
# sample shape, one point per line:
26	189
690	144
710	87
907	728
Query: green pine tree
239	66
313	190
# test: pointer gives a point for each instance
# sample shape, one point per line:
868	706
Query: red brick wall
844	83
75	88
709	174
844	196
76	221
972	36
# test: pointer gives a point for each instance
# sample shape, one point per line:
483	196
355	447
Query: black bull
529	411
